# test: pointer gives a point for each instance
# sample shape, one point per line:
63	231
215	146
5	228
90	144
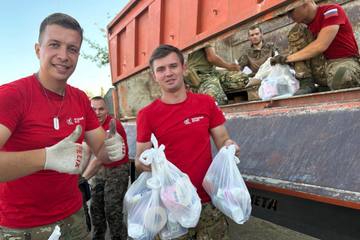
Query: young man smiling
42	124
184	122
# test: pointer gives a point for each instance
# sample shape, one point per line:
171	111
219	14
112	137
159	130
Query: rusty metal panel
205	18
230	44
307	149
170	22
141	35
211	13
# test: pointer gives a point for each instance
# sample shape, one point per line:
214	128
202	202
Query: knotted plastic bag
279	83
147	216
177	193
226	187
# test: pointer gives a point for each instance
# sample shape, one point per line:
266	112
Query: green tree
100	55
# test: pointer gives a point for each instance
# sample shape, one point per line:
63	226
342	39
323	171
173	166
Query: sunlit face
168	73
255	36
58	52
100	109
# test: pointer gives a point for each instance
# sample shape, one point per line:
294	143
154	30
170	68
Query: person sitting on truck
164	117
203	77
258	51
322	47
256	54
43	122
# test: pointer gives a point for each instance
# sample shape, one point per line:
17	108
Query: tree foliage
100	55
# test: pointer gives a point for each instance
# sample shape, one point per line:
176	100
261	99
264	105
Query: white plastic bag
147	216
177	192
264	70
279	83
179	195
55	235
226	187
172	229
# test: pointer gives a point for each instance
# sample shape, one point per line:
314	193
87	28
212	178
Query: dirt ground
257	229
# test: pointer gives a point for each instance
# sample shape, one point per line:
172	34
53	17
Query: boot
306	86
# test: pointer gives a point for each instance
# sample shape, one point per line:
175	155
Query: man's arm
320	45
140	148
14	165
214	59
93	167
221	138
95	139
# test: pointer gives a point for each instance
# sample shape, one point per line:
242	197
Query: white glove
67	156
114	143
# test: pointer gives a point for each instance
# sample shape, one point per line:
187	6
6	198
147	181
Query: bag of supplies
162	201
179	195
279	83
147	216
226	187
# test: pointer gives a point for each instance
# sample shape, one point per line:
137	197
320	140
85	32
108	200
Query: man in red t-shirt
324	50
43	121
109	185
184	122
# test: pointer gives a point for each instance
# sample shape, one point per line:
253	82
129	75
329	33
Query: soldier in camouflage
76	232
109	185
258	52
203	77
322	47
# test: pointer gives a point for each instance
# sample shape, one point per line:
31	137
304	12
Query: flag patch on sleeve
331	13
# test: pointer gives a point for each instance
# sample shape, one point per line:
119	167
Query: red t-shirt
45	196
344	45
120	129
184	129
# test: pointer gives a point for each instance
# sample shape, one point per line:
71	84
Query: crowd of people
43	153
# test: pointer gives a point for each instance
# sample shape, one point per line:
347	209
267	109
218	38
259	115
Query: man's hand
114	143
278	59
234	67
142	167
67	156
229	142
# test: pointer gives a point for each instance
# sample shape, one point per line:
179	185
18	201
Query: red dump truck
300	156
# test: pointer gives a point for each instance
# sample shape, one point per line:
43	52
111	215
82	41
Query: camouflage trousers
71	228
212	225
335	74
108	189
218	83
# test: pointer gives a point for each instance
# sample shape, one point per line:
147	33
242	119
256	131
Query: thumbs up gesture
67	156
114	143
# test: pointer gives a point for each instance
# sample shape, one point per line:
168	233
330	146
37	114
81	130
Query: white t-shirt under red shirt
45	196
184	129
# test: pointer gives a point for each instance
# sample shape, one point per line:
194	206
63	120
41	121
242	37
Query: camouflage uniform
108	189
212	82
212	225
71	228
335	73
254	58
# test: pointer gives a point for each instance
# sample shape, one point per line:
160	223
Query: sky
19	29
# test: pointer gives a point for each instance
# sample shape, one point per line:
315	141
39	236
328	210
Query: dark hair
164	50
255	26
98	98
62	20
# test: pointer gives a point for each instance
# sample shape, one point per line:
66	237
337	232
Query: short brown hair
62	20
255	26
164	50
